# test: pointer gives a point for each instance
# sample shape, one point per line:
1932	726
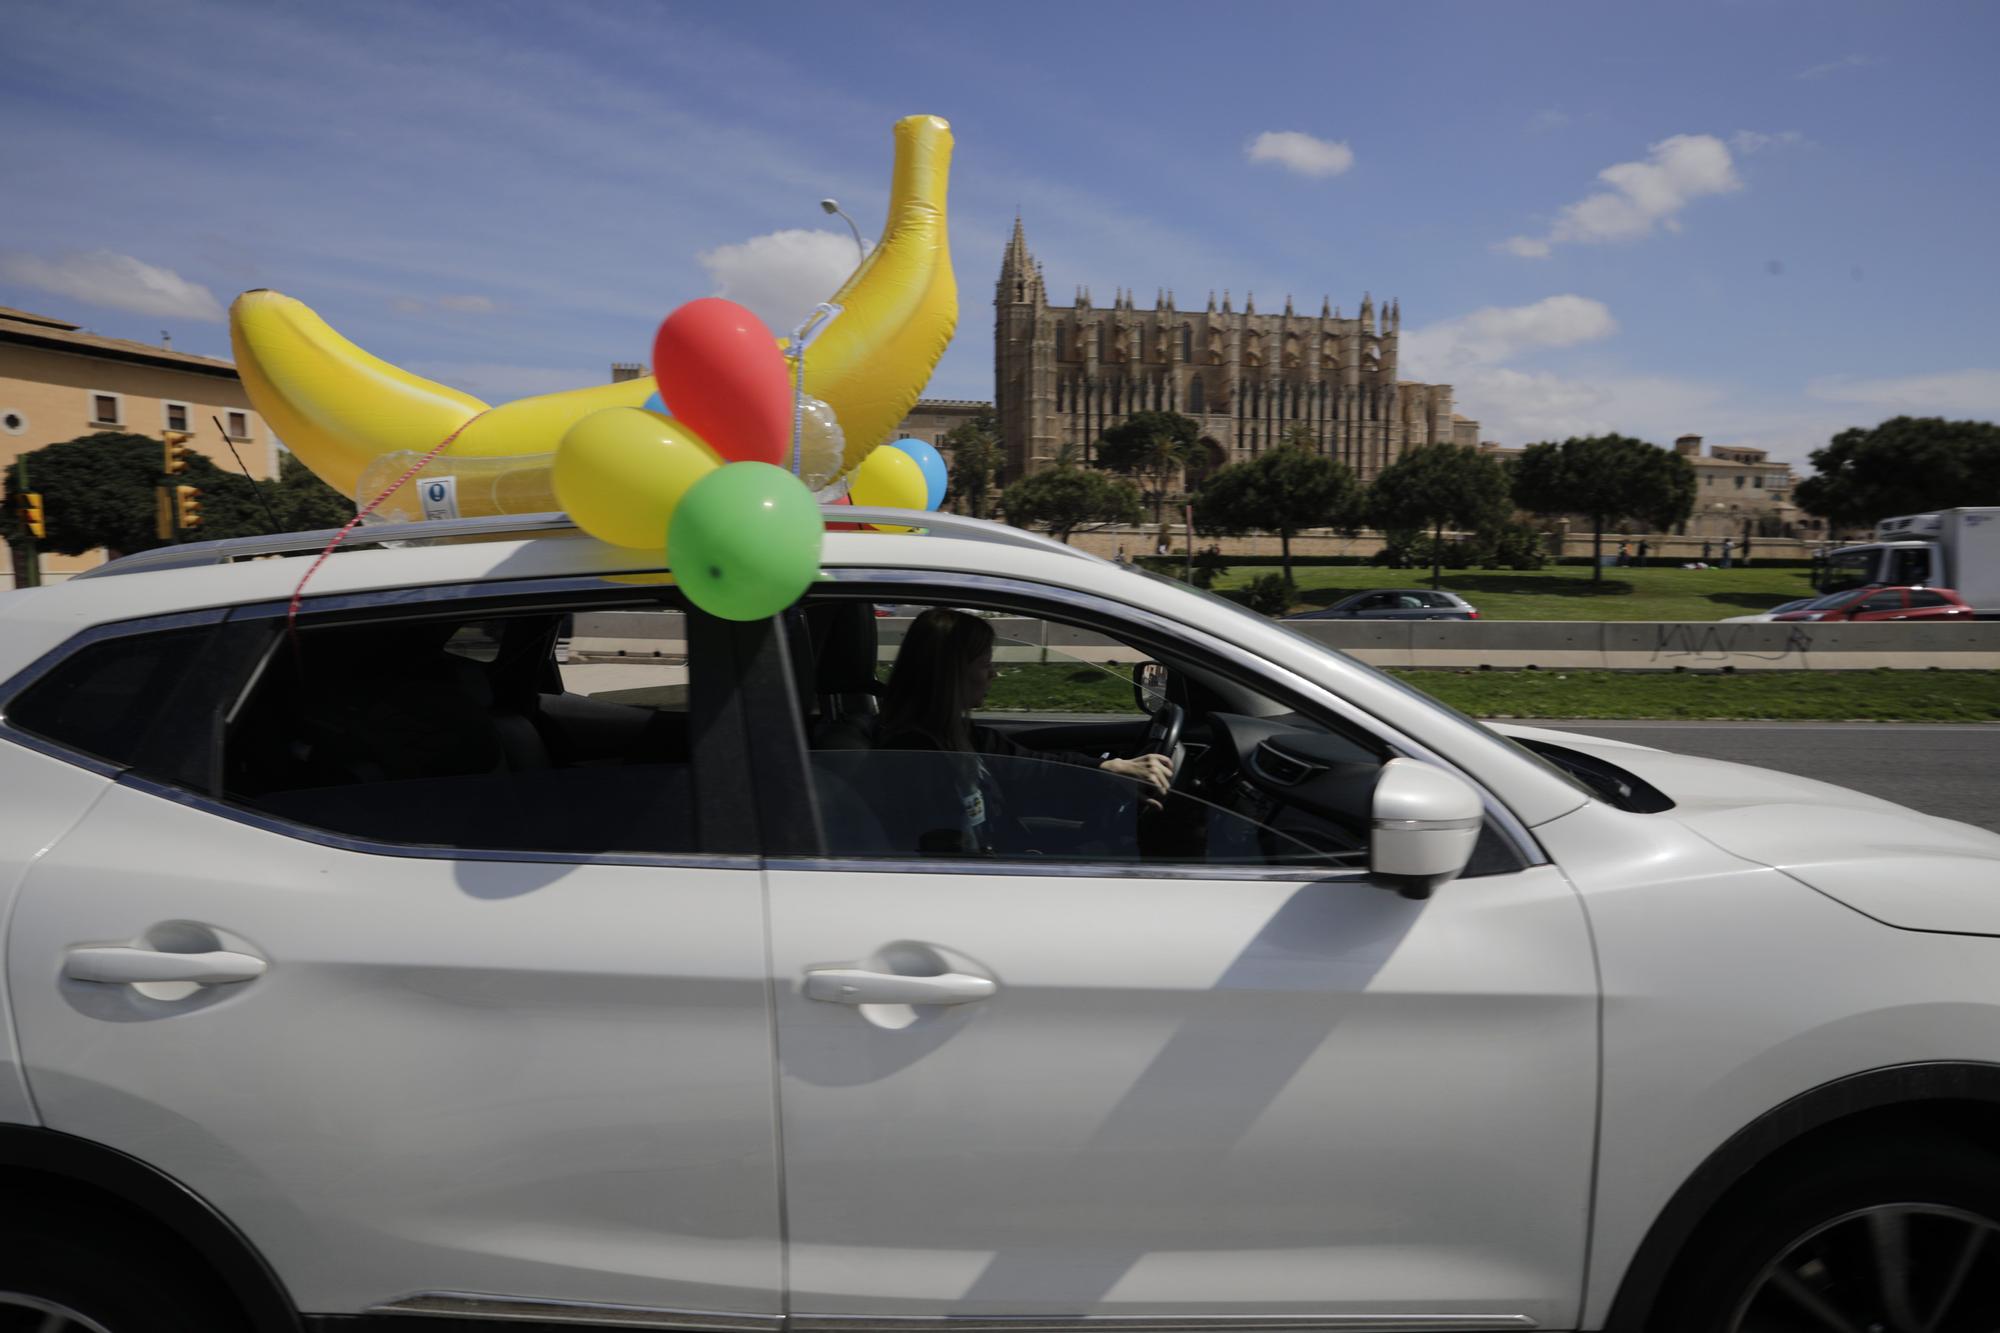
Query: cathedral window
1187	343
1195	403
1062	342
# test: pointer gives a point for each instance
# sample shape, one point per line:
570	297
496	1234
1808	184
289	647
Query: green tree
1152	447
1605	478
974	447
98	491
1281	490
1065	497
1439	486
1903	466
303	502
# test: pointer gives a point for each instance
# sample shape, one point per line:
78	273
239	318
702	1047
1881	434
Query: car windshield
1828	602
1847	570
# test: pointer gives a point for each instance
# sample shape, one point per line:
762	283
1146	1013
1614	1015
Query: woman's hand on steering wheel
1150	770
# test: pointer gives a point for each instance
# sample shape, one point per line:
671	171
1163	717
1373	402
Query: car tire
58	1279
1902	1235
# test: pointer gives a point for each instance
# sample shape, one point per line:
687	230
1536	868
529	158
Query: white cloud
781	276
1834	67
116	282
1522	407
1946	393
1548	121
1500	333
1301	153
1645	194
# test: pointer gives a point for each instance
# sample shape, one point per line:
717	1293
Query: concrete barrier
1662	645
1462	644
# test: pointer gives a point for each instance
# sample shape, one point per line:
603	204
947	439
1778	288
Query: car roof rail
517	527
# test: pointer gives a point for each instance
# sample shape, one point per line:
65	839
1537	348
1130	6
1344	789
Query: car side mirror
1425	823
1149	687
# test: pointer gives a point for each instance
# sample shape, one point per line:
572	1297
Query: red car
1884	604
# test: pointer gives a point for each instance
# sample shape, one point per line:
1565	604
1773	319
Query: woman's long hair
926	692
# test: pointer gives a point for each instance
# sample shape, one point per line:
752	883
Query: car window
1909	566
465	733
1442	600
1025	779
1883	601
107	698
1925	597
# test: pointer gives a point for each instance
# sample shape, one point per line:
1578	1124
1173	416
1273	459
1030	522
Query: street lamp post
832	208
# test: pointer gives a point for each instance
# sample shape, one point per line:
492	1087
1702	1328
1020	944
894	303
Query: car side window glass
107	698
1884	601
1924	597
1038	769
468	733
1911	566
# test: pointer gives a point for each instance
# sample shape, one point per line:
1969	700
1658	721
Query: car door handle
844	985
135	966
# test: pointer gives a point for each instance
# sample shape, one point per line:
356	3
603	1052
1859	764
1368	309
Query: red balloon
722	376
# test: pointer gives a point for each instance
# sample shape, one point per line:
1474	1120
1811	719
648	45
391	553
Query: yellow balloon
621	473
890	479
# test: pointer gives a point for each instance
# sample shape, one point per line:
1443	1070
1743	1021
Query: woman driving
942	673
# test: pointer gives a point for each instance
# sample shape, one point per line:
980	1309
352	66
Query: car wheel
54	1282
1882	1238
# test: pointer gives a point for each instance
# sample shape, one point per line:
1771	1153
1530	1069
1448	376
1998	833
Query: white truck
1953	548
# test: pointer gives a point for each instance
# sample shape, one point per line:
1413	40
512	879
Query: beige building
1738	489
58	382
1064	374
1738	492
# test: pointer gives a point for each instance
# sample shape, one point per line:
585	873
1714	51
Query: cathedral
1063	374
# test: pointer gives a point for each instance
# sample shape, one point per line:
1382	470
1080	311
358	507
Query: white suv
383	967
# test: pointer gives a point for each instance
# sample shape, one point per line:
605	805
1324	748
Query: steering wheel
1164	736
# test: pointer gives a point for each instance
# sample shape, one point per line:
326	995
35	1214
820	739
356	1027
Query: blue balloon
936	476
654	403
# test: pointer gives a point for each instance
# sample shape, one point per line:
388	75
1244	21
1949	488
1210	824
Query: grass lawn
1873	696
1834	696
1559	592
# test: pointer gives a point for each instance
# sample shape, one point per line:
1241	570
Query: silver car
1395	604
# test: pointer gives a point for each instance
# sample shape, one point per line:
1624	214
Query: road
1938	768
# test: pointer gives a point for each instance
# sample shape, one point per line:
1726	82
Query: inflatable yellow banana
900	308
339	409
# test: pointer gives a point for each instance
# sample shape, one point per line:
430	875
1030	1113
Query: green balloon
745	540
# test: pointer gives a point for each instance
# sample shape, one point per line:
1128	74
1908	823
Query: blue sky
1758	222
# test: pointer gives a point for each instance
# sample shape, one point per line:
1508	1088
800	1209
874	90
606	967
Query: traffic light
28	505
187	507
174	450
163	513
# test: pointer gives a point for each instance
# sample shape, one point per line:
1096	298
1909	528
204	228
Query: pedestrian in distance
1706	552
1642	552
1728	545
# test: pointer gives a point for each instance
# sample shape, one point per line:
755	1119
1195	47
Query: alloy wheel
1892	1268
21	1313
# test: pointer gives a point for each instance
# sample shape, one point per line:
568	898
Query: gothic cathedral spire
1020	277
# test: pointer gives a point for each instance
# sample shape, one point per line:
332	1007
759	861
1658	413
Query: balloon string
298	593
